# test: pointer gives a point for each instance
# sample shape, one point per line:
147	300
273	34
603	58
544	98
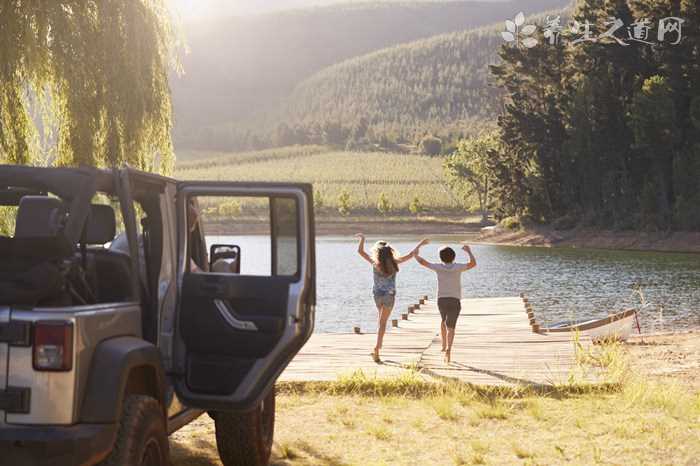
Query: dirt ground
669	357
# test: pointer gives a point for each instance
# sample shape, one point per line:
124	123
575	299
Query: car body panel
4	319
50	402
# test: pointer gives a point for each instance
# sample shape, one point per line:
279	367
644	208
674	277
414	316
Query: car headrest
101	225
39	216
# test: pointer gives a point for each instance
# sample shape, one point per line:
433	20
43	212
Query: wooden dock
496	343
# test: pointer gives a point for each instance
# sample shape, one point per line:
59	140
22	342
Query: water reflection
561	283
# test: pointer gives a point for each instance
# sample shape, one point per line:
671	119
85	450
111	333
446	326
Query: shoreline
471	230
589	238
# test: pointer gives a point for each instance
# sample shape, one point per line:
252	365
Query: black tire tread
238	437
138	410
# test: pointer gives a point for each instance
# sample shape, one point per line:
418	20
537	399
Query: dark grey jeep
124	316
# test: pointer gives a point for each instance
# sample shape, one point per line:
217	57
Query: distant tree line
602	133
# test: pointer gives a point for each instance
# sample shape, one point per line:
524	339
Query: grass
364	176
360	420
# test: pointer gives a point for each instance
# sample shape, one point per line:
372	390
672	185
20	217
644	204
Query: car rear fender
120	367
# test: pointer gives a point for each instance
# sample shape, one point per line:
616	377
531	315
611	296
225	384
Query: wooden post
522	295
536	328
411	309
532	321
394	322
421	301
404	316
356	330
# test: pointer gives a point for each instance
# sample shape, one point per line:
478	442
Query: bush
649	207
415	207
695	112
229	209
344	205
7	220
430	145
383	205
565	223
318	200
511	223
686	213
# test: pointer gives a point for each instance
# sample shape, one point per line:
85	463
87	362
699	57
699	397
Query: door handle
231	318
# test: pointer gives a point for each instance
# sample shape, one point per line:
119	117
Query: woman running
385	265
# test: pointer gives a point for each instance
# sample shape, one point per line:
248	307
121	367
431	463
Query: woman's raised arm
361	248
411	254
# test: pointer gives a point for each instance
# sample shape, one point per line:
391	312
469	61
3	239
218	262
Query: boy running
449	276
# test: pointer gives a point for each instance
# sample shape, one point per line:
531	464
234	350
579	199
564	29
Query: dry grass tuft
521	452
445	408
379	432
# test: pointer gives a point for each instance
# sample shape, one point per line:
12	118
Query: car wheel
245	439
142	439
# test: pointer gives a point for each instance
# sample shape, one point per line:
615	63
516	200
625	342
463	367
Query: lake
561	284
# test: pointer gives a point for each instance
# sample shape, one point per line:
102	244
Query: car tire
142	439
245	439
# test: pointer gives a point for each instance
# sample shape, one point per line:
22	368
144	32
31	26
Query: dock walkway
495	344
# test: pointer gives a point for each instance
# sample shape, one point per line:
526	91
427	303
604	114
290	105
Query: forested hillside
239	69
599	132
438	85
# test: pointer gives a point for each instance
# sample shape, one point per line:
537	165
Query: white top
449	277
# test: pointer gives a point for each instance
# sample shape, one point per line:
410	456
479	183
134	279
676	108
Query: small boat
614	327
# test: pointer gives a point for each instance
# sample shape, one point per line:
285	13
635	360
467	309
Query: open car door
236	332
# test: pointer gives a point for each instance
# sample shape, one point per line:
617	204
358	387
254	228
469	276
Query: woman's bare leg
383	315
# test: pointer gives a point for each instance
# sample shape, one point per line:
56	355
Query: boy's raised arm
417	255
361	248
472	259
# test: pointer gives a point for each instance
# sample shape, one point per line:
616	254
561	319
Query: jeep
124	316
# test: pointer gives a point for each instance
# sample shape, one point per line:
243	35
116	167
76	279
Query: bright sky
196	9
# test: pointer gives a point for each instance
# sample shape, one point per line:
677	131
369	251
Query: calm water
561	283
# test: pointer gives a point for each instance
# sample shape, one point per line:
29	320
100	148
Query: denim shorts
384	300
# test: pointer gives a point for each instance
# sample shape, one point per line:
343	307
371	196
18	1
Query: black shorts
449	311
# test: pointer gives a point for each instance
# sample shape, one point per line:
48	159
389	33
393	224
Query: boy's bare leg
443	336
450	340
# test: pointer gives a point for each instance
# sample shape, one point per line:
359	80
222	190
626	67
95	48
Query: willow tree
89	78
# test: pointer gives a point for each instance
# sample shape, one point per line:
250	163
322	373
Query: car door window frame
300	307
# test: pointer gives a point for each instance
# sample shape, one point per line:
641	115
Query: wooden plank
494	345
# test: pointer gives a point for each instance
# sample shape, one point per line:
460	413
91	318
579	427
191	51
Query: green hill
441	85
438	85
241	68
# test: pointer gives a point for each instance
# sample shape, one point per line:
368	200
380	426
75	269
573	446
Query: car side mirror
225	258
